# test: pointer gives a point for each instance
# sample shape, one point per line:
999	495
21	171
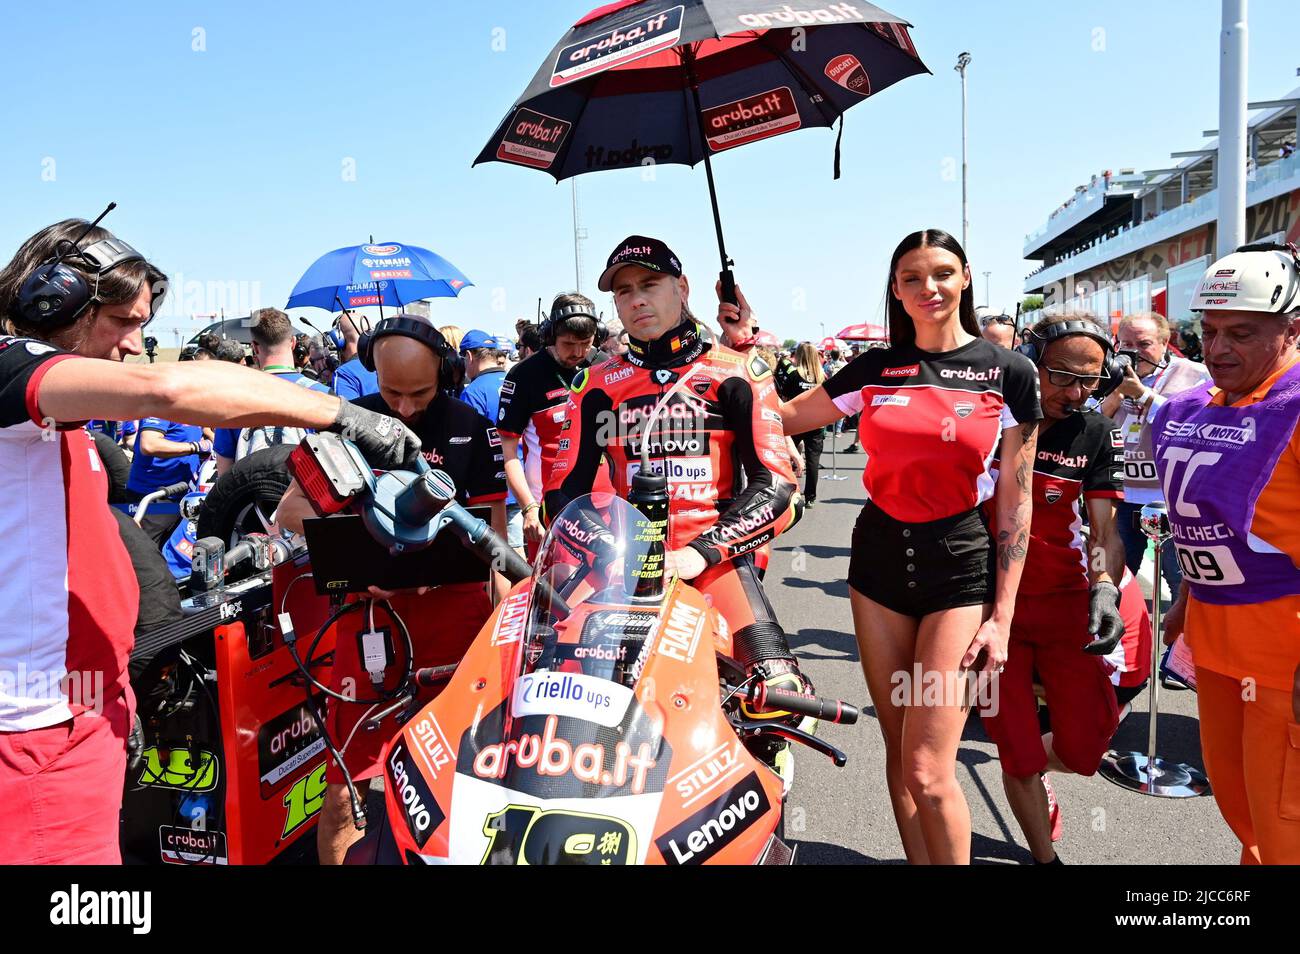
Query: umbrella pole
379	292
726	276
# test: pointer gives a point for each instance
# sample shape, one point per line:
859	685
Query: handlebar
761	697
163	493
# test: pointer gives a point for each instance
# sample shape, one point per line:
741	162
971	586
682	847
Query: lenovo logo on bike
716	825
421	812
848	71
511	620
619	45
751	119
532	139
552	757
571	694
189	846
909	371
970	374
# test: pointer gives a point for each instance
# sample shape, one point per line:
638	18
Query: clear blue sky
227	162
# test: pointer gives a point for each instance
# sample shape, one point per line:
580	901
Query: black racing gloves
385	442
1104	621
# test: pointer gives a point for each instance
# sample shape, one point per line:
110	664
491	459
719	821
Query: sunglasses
1063	379
1000	320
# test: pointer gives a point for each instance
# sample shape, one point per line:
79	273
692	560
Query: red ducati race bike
597	718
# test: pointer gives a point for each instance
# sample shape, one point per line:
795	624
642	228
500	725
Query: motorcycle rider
720	410
73	302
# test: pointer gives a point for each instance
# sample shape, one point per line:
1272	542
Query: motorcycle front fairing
584	726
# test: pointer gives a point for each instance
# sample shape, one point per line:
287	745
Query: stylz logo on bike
751	119
619	45
575	695
422	814
716	825
551	757
705	776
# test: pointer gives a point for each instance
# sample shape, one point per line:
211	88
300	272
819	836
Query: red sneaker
1053	808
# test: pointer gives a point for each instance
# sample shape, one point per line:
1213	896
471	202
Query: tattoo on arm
1013	551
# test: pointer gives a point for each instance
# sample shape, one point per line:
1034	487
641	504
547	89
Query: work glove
1104	621
385	442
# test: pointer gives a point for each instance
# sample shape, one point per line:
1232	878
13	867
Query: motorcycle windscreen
578	751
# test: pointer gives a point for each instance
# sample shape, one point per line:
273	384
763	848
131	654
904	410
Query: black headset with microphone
411	326
57	294
550	327
1112	367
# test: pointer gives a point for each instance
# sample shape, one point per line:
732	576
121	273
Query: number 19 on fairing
304	800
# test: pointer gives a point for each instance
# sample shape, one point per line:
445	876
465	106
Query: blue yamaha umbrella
384	274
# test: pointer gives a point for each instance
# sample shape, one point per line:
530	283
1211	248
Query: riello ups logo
622	44
533	139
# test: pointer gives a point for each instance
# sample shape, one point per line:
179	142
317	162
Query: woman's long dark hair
902	331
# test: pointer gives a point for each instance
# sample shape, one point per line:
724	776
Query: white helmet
1263	277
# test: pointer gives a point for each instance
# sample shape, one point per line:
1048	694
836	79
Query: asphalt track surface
843	816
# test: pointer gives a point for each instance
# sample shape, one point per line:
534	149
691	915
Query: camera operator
1155	376
73	302
411	359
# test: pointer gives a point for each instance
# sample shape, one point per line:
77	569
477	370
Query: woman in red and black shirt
932	592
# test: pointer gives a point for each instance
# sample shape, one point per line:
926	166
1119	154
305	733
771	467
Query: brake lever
758	729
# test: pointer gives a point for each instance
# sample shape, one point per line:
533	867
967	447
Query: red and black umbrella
675	81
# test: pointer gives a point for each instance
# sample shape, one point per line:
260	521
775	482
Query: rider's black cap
639	250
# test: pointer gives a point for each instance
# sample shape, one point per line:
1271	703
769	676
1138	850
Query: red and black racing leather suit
720	431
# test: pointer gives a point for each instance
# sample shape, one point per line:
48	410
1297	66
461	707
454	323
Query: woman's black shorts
920	568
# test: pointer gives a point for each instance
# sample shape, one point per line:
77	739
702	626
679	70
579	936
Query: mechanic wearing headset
1067	615
73	301
411	360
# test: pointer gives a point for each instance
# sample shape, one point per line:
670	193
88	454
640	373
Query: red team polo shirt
67	589
932	421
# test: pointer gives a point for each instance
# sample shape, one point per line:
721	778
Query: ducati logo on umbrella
964	409
848	71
